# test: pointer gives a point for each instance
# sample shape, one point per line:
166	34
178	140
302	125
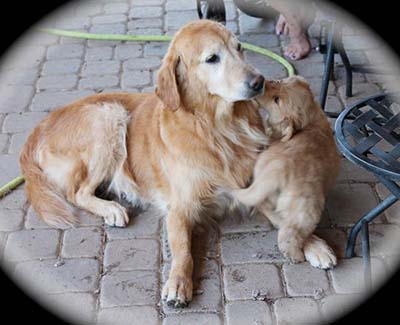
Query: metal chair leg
329	62
347	65
366	255
371	215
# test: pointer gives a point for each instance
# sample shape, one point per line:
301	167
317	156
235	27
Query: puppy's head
206	59
290	106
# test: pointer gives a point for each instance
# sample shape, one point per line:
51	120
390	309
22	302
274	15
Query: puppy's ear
288	129
167	84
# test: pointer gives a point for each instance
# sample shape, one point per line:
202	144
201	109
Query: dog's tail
46	198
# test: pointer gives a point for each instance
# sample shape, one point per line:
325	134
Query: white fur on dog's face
224	71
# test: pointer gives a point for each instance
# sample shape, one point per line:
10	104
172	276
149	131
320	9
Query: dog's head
205	59
290	106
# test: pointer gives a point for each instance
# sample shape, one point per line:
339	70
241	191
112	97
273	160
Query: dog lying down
292	177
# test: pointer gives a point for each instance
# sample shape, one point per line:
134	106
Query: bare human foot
300	45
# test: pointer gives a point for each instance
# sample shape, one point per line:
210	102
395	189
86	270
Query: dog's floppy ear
288	129
167	84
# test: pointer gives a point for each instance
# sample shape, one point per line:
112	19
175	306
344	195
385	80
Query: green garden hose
7	188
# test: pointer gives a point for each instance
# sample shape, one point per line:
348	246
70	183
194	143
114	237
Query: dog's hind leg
299	218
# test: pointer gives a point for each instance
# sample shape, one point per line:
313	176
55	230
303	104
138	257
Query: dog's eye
276	99
212	58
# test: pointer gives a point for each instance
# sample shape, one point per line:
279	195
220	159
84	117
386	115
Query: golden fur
292	177
174	148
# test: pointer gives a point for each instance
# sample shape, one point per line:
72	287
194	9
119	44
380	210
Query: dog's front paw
116	216
319	254
178	291
292	253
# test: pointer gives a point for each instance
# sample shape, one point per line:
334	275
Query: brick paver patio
104	275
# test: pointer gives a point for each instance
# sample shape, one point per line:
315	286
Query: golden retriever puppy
292	177
174	148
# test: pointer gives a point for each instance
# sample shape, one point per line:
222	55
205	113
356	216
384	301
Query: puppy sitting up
293	176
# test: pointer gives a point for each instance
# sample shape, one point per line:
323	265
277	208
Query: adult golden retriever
174	148
293	176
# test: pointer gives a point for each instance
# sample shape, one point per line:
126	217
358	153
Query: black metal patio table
368	134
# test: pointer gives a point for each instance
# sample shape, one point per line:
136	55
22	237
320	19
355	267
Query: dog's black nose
256	83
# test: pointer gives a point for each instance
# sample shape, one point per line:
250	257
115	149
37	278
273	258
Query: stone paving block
17	142
155	49
250	247
67	66
310	70
360	91
145	31
21	122
4	140
250	281
132	79
145	23
51	100
101	68
117	28
128	51
252	25
109	19
145	12
350	172
17	58
75	308
333	104
248	312
145	224
129	289
348	202
180	5
19	77
142	63
99	53
15	98
192	318
59	276
383	240
116	8
27	245
82	242
57	82
11	220
128	315
207	296
304	280
336	306
348	275
99	82
89	8
74	23
17	198
393	213
263	40
360	42
65	51
296	311
3	240
236	224
147	3
269	68
176	19
131	254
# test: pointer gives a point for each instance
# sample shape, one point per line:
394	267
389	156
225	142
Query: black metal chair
368	134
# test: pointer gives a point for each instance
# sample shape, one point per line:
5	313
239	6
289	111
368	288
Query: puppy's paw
178	291
293	254
116	216
319	254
